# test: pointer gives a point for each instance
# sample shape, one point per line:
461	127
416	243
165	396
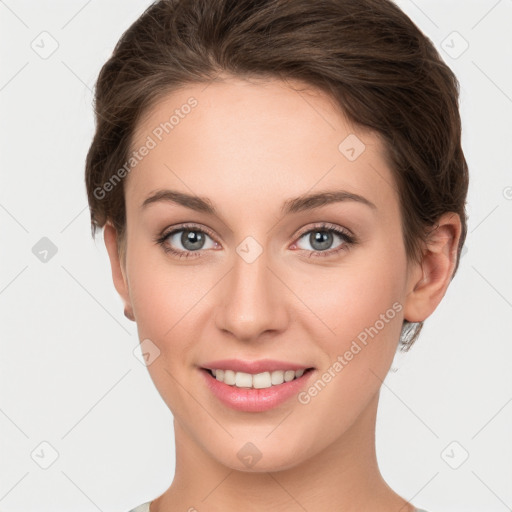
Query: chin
260	456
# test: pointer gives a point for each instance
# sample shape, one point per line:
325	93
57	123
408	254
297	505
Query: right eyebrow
196	203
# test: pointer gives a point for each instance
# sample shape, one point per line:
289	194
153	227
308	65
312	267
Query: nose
252	300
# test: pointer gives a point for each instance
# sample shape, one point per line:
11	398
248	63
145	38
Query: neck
345	476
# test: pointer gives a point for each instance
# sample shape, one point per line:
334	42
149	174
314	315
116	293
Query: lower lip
255	400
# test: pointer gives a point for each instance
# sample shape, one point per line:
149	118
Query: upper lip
260	366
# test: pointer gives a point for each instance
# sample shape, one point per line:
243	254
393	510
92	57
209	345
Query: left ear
429	279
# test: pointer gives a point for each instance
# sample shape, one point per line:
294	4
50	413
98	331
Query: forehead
235	137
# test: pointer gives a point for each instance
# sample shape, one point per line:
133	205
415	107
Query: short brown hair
367	55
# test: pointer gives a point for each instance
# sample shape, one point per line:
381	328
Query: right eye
190	237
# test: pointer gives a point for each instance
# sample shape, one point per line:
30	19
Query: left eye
321	239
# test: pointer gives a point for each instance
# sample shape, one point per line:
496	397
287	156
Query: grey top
145	508
142	508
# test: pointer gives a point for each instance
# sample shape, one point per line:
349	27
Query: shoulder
141	508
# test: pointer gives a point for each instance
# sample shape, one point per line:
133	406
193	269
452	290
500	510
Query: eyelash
349	240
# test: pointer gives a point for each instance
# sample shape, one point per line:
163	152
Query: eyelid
188	225
326	226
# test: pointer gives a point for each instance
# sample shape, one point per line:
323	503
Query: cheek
162	300
354	296
363	311
361	304
170	303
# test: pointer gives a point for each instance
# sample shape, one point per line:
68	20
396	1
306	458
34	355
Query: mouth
256	392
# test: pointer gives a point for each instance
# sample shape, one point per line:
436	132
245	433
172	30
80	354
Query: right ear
110	236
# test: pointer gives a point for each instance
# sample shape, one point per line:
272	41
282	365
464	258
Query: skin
249	146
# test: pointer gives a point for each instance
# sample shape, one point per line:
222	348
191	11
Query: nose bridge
252	303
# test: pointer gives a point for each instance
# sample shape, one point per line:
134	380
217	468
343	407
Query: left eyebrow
316	200
294	205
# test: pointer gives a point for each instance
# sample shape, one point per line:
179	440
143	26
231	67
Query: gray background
71	386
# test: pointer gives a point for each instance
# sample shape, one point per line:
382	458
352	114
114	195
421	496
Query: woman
282	191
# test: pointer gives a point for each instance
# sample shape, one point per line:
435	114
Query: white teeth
243	380
229	377
277	377
258	381
261	380
289	375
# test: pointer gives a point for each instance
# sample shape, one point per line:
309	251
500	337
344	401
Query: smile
255	392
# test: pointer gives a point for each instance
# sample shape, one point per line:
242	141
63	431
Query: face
226	259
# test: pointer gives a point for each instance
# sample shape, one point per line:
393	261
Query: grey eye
319	239
190	239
